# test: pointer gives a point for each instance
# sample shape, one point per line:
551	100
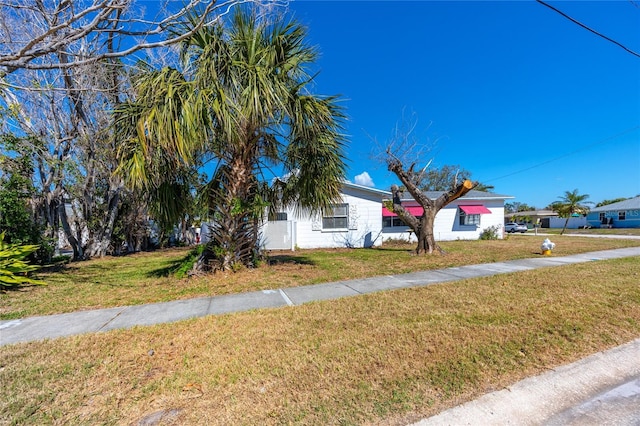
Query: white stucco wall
574	222
365	223
300	230
447	224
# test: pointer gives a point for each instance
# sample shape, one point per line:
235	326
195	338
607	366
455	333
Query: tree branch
54	31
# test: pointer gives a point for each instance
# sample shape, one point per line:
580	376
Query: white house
463	219
355	222
361	220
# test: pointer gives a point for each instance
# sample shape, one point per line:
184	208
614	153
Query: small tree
398	151
516	207
569	204
423	226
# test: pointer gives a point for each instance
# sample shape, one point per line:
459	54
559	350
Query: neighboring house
531	216
623	214
361	220
546	219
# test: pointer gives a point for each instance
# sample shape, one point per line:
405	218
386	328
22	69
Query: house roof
471	195
630	204
539	213
367	188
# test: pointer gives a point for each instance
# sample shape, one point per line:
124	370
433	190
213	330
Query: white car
515	227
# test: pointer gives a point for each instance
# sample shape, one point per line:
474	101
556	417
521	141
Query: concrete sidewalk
53	326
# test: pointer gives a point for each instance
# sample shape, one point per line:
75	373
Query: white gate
278	235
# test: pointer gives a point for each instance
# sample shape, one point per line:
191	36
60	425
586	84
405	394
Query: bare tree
400	152
61	75
34	32
69	133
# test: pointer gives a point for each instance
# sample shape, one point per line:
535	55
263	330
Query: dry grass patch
389	358
146	278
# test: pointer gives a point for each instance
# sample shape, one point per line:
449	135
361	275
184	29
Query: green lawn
385	358
147	277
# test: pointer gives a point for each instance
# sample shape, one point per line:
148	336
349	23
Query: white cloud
365	180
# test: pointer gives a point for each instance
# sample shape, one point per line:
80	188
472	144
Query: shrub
187	264
396	241
13	266
490	233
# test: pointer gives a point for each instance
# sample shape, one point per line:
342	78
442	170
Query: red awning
414	210
475	209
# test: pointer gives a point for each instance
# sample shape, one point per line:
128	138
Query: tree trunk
100	244
426	237
78	253
423	227
233	234
566	222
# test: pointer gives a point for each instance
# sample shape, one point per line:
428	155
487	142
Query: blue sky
518	95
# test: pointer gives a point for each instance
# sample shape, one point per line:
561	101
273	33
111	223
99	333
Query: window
336	217
390	221
622	215
469	219
601	217
281	216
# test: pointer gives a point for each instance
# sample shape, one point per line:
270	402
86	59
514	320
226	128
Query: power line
588	28
599	142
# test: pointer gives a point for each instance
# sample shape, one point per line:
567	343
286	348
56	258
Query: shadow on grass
53	267
17	288
289	258
188	260
395	249
169	269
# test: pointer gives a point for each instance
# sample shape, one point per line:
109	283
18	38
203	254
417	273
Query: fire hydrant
546	247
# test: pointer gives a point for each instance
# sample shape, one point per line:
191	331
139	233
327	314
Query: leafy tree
243	100
571	203
60	76
445	178
18	220
16	189
516	207
131	231
607	202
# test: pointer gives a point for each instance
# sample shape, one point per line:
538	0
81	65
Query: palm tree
243	101
569	204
